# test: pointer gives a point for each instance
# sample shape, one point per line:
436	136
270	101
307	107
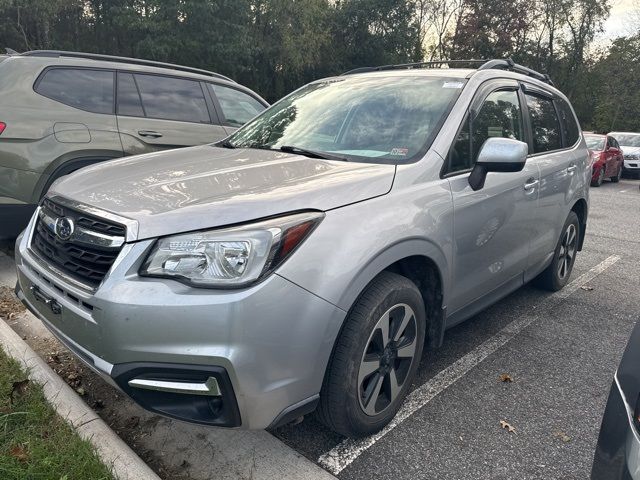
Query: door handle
149	134
531	184
571	168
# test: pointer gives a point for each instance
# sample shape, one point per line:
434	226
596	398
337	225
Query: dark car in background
606	156
617	454
62	111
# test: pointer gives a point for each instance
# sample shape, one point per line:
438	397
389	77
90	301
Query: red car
607	158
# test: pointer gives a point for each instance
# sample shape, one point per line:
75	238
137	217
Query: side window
169	98
569	124
237	107
86	89
499	116
545	127
129	102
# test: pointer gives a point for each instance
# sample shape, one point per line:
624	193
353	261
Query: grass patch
35	443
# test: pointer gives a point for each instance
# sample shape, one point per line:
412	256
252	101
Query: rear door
554	138
158	112
491	225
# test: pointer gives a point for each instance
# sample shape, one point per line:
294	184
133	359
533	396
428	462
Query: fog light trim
209	387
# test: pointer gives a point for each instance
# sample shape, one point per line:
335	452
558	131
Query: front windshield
388	119
627	140
594	142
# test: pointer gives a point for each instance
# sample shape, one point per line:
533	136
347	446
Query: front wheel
556	275
375	357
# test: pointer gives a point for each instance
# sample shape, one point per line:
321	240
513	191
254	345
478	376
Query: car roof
590	134
461	73
44	61
624	133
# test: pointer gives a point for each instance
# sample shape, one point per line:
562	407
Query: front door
491	227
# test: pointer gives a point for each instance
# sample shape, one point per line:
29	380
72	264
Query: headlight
230	257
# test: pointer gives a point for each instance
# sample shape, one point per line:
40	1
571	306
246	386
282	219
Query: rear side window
499	116
544	124
169	98
237	107
129	102
569	125
86	89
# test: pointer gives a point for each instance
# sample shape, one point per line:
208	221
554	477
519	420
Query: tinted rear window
544	124
594	143
86	89
171	98
569	124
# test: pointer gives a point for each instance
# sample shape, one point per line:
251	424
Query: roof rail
410	66
509	64
499	64
132	61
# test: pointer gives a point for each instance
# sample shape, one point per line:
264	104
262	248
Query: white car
630	144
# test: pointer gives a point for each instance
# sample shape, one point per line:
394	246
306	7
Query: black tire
551	278
597	182
341	399
616	179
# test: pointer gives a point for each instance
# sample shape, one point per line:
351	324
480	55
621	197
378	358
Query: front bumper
272	340
632	166
617	454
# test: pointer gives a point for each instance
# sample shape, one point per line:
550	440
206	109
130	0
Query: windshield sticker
399	152
453	85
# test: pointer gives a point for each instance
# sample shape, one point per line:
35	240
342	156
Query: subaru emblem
64	228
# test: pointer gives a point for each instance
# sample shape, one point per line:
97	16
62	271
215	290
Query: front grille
84	262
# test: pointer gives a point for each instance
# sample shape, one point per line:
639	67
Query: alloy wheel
567	251
387	359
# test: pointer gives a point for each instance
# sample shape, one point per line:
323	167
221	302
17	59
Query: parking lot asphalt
560	350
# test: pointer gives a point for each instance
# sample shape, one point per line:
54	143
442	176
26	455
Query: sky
624	19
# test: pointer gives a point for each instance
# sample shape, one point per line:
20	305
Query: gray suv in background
306	261
62	111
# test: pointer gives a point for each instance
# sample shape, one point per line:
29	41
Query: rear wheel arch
581	209
64	166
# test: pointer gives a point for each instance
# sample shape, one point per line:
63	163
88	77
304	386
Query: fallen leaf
133	422
563	436
19	452
80	391
587	288
505	377
18	388
507	426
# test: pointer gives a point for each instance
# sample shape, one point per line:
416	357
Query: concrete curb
111	449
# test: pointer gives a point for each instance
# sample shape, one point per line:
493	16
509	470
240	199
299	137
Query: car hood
630	150
203	187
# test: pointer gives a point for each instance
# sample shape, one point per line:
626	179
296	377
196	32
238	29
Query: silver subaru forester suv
305	262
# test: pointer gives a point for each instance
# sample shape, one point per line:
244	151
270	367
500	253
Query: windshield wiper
312	153
227	144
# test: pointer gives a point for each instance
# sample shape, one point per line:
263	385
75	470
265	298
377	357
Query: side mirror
498	154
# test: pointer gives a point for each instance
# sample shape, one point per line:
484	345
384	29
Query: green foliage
617	98
275	46
34	442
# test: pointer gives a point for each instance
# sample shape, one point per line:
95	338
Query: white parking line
587	277
343	454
